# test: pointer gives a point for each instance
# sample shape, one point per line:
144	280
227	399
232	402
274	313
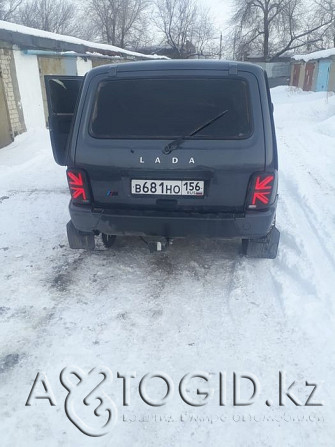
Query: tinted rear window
64	94
169	108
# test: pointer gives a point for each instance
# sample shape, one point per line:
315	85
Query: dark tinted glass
169	108
64	94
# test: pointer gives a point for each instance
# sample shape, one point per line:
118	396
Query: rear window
170	108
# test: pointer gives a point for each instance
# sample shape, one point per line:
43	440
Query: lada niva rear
168	149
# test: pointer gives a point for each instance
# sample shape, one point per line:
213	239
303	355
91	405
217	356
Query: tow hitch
156	244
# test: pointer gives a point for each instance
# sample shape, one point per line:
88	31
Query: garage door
309	72
323	76
296	74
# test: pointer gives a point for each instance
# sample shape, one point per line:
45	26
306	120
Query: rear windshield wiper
177	142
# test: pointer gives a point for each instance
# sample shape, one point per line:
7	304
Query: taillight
262	190
78	185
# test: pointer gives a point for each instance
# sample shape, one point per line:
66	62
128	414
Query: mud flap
79	239
265	247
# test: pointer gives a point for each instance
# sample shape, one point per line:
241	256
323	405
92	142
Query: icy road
198	307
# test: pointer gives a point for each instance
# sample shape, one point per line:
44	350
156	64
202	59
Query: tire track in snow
299	204
315	219
199	262
305	256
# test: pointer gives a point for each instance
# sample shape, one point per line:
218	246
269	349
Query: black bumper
252	224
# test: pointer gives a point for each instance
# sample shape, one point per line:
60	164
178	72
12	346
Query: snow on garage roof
322	54
26	37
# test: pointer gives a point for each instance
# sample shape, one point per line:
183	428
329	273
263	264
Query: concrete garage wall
30	89
83	66
97	62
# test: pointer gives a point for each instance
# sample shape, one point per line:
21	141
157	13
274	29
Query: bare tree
141	35
272	27
186	28
204	33
8	9
298	29
57	16
327	35
118	22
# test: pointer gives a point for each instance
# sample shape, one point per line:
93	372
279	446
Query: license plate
168	187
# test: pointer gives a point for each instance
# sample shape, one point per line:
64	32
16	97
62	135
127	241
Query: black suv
168	149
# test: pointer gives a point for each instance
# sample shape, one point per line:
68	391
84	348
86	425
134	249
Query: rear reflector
78	185
262	190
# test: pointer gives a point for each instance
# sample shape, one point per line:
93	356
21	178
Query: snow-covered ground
198	307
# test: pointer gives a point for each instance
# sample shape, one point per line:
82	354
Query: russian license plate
168	187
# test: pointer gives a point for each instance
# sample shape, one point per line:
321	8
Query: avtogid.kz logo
82	403
104	407
90	408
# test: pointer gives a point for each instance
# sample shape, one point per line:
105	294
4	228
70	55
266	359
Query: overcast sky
221	12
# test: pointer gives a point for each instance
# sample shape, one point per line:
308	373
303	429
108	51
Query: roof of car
179	64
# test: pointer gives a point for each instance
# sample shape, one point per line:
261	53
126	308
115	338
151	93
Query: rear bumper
252	224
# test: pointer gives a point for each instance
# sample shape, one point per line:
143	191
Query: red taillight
262	191
78	186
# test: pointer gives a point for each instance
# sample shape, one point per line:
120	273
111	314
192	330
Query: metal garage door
296	74
323	76
308	82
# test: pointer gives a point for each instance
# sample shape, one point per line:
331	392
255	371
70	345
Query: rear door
62	95
128	120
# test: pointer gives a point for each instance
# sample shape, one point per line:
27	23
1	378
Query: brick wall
8	75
